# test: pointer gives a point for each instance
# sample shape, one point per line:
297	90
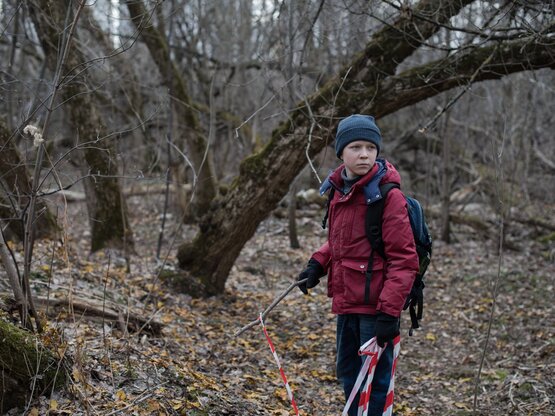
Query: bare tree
106	204
158	47
369	84
233	58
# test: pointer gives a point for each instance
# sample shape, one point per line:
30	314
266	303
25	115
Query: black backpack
422	239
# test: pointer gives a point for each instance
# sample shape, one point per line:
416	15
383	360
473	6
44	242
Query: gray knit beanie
357	127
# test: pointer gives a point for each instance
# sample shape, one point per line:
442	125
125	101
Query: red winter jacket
346	254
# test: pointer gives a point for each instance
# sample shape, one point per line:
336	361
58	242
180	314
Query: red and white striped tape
281	372
388	410
373	353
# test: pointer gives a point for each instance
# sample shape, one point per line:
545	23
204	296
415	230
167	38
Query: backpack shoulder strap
373	223
330	197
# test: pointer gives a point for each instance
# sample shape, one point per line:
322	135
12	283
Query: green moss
499	374
525	391
546	239
25	362
223	189
17	343
252	165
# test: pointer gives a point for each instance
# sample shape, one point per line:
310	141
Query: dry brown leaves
197	367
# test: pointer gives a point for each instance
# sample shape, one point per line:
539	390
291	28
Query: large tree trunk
367	85
106	204
173	79
28	368
265	177
15	190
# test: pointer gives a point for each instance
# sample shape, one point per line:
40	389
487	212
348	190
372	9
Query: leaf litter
195	366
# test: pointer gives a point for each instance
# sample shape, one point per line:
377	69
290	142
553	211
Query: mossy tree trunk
185	110
15	189
105	202
28	368
264	178
367	85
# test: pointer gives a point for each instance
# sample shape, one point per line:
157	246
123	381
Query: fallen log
135	190
28	367
126	320
534	222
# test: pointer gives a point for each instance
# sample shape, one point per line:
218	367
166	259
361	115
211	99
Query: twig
497	282
272	306
13	275
511	384
147	322
141	398
104	299
252	115
49	285
309	141
169	138
184	156
459	95
541	348
28	240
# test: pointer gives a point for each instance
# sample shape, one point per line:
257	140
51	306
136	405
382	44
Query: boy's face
359	157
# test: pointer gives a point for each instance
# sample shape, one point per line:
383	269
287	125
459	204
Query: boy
368	293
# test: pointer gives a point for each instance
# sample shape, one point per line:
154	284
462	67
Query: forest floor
196	366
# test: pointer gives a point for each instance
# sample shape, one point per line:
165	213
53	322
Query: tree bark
13	277
264	178
105	202
368	85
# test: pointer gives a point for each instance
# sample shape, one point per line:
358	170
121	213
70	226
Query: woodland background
158	168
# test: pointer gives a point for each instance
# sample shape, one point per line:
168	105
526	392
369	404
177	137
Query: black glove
313	272
387	328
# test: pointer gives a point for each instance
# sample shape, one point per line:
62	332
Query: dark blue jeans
353	330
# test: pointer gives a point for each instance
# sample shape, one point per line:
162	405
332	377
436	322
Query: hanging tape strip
373	353
388	410
281	372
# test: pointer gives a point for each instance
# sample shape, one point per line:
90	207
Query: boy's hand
387	328
313	272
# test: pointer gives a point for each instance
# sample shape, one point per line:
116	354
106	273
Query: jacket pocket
359	287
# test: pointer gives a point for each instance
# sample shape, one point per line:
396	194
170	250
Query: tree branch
272	306
13	276
417	84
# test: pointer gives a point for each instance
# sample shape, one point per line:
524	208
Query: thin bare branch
272	306
458	95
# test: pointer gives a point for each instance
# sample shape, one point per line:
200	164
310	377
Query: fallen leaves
431	337
196	365
323	375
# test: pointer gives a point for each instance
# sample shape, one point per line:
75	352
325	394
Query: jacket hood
381	173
